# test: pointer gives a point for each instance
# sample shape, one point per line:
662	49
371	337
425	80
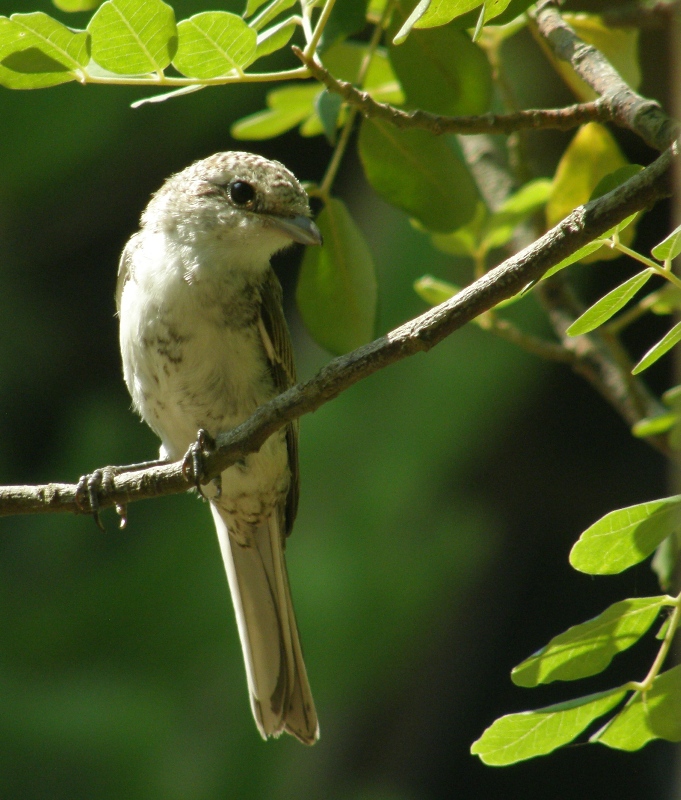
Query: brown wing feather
280	354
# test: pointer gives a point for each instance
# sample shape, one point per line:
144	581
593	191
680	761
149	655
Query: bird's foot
192	466
90	490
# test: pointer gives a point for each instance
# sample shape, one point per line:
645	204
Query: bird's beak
300	229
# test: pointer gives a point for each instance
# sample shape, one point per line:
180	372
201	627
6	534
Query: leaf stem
659	268
645	685
311	46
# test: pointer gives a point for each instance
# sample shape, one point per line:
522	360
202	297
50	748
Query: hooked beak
300	229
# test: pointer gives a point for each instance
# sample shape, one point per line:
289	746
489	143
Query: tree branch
562	119
628	108
583	225
641	15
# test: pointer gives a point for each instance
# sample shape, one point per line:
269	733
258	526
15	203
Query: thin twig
419	335
532	119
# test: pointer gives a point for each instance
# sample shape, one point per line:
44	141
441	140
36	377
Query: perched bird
204	343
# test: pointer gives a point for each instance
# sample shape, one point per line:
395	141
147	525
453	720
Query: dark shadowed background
440	499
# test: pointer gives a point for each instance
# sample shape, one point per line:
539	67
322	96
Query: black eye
241	192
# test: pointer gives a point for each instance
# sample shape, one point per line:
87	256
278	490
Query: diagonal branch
628	108
562	119
584	224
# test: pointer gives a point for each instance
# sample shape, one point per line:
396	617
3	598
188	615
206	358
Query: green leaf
347	17
658	350
609	305
588	648
654	715
432	13
654	426
288	107
76	5
272	11
328	110
274	38
608	184
443	72
514	210
464	241
669	300
578	255
434	291
592	155
336	291
37	51
132	37
212	44
252	6
517	737
668	248
664	566
417	172
625	537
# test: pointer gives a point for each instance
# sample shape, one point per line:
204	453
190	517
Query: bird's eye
241	192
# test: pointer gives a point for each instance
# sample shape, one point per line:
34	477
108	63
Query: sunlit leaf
336	291
270	13
212	44
37	51
252	6
654	715
416	172
514	210
432	13
132	37
658	350
76	5
274	38
609	305
588	648
434	291
578	255
670	247
625	537
442	71
288	107
517	737
591	156
654	426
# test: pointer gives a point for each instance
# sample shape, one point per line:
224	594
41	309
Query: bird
204	343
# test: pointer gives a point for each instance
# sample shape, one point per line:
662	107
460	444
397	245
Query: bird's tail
280	693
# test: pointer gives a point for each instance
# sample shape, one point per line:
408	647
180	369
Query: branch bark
418	335
628	108
562	119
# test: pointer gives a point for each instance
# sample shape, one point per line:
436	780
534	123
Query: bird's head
240	198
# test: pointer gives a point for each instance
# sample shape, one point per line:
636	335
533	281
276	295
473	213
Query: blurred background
440	499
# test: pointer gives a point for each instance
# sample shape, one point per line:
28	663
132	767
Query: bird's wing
125	268
277	344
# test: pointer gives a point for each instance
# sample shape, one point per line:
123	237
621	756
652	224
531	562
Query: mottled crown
206	184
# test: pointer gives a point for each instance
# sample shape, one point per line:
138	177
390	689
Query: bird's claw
89	489
192	467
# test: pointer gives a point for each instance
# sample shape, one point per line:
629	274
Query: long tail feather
277	681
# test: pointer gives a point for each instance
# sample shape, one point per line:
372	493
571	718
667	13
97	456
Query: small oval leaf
625	537
130	37
517	737
214	43
588	648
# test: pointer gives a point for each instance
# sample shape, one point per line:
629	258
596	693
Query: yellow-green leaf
212	44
